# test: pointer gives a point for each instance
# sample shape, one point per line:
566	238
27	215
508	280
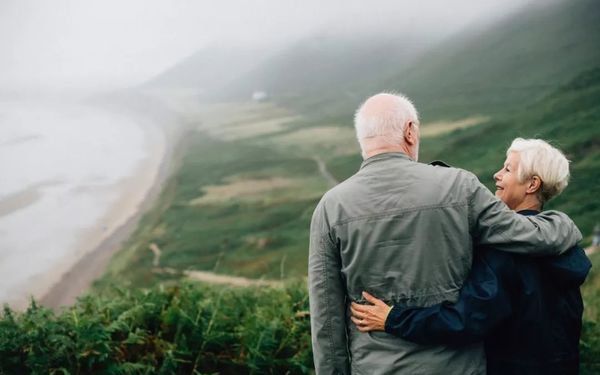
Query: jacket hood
568	269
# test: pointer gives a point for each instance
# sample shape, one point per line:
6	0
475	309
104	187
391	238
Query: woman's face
508	188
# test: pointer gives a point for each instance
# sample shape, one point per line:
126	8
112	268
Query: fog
110	43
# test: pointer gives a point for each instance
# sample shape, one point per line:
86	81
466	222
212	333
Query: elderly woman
527	310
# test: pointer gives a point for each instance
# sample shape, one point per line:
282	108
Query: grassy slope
266	236
263	235
509	65
568	118
315	70
483	71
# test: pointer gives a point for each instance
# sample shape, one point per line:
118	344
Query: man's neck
382	149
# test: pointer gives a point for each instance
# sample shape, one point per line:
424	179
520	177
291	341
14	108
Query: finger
359	307
364	328
371	299
358	314
356	321
361	325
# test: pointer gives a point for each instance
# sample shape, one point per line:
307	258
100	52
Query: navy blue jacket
527	310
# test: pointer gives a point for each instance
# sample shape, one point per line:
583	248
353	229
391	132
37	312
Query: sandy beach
137	193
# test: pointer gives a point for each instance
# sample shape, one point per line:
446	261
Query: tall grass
191	329
590	338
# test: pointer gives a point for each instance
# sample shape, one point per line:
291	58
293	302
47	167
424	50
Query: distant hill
487	69
481	70
210	69
507	65
324	66
300	76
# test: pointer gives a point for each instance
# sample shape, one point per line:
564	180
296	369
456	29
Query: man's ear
535	184
410	133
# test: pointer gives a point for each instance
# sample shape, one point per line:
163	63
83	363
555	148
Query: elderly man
404	231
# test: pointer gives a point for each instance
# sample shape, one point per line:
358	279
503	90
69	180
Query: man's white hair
389	124
538	158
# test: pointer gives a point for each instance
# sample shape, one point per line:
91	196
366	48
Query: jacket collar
528	212
385	156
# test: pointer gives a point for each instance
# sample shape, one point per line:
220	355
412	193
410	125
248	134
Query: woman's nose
497	176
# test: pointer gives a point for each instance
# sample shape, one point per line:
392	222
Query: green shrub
192	329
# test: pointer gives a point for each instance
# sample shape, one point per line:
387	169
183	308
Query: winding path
215	278
325	172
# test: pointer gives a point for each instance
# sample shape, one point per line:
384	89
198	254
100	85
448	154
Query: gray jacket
404	231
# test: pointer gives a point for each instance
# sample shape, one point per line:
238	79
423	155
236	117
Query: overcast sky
80	43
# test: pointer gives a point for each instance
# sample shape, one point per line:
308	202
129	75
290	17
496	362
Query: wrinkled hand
370	317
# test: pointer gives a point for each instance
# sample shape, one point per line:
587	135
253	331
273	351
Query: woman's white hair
389	123
538	158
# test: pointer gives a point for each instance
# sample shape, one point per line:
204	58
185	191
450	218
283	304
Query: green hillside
303	74
242	200
486	70
483	70
507	66
569	118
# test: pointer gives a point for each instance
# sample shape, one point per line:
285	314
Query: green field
238	205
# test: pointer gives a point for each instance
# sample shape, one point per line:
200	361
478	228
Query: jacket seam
399	211
327	301
492	228
482	221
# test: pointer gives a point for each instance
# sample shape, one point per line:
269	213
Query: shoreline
77	278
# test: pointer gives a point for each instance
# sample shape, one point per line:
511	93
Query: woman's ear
535	184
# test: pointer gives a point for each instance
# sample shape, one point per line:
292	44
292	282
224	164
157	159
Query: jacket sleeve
568	270
484	302
493	223
327	298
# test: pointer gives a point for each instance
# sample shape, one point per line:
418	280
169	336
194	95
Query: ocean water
60	171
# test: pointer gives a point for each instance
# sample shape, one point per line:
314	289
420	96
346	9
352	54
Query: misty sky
72	44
